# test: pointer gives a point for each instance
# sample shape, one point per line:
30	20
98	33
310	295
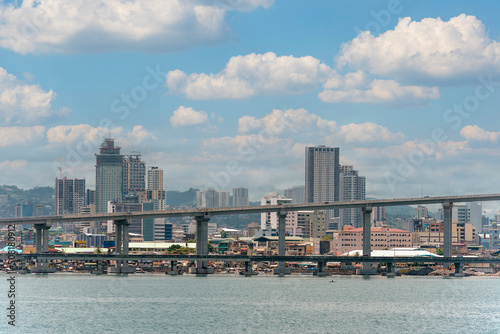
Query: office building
223	199
134	174
352	188
207	198
69	196
296	193
322	172
155	191
240	196
109	175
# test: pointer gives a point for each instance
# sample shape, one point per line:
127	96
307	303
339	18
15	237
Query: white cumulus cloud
381	91
58	26
364	133
253	74
187	116
474	132
20	135
279	121
426	49
25	103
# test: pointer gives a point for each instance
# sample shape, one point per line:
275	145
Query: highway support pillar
99	270
248	270
391	270
459	270
281	270
42	247
121	247
367	247
201	245
173	269
447	231
321	270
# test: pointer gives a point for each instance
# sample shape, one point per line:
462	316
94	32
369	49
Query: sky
228	93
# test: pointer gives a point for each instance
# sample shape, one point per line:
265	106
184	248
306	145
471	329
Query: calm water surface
77	303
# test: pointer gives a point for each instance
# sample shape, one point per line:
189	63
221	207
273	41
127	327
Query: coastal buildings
69	196
351	238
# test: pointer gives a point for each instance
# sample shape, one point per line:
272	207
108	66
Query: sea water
144	303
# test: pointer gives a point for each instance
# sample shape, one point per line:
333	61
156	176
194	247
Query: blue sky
228	93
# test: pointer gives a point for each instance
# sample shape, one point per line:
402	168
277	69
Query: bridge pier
121	248
99	270
321	270
42	246
248	270
201	245
447	231
173	269
281	270
391	270
459	270
367	246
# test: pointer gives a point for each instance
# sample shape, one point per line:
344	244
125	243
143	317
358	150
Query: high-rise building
322	171
296	193
155	191
134	174
223	199
352	188
90	197
378	214
468	213
312	223
421	212
240	196
69	196
108	175
207	198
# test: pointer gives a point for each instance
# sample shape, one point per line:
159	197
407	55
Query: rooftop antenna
60	172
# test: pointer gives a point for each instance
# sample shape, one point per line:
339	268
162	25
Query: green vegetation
327	237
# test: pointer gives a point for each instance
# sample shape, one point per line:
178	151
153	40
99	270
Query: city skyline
237	105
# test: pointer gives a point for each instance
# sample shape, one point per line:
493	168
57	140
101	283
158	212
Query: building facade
109	175
322	172
296	193
240	196
155	191
134	174
69	196
352	188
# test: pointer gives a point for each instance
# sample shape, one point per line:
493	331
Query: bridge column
281	244
42	247
121	247
173	269
459	270
447	227
367	247
201	244
248	270
321	268
99	270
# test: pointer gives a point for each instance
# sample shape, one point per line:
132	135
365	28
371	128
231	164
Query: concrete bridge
202	216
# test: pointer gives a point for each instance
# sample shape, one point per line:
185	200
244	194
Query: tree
439	251
191	241
174	248
211	248
98	250
327	237
223	234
